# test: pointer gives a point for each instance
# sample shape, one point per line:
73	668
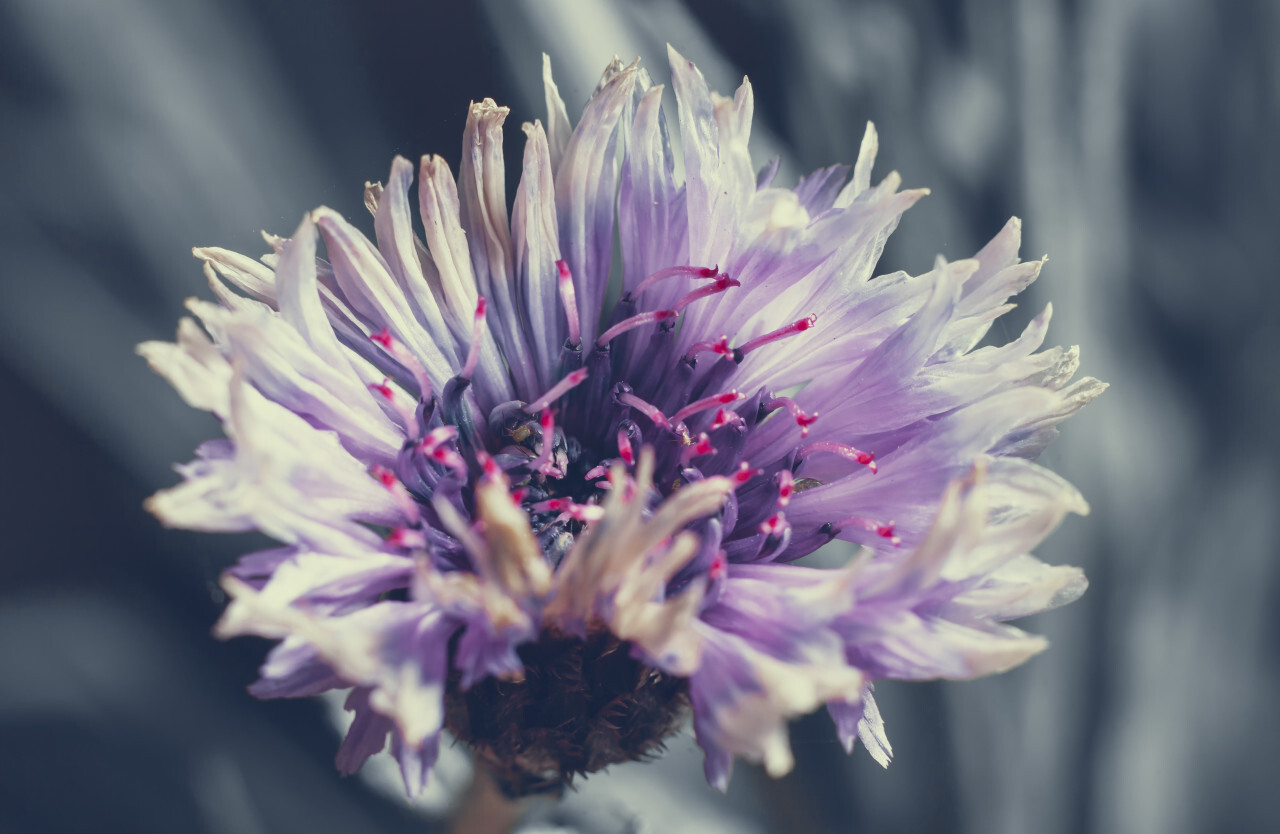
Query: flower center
559	482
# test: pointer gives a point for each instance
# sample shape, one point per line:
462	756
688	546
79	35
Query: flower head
555	524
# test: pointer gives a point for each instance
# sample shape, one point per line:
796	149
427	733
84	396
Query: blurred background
1136	138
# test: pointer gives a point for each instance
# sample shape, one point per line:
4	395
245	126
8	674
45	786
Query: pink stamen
671	272
720	346
542	463
569	509
385	476
786	487
597	472
724	417
401	495
867	459
721	284
433	446
780	333
451	459
647	409
407	538
564	386
775	525
803	419
570	301
398	404
638	320
701	447
477	330
435	437
401	354
744	474
706	403
625	451
492	472
884	531
719	567
585	512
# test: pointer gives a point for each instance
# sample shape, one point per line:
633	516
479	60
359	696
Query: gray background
1136	138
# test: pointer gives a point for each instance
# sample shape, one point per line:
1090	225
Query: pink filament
433	446
401	495
721	284
803	419
638	320
407	538
477	330
570	301
884	531
775	525
744	474
724	417
492	472
624	447
448	457
867	459
700	447
401	354
647	409
567	508
542	463
719	567
786	487
720	346
398	404
671	272
564	386
706	403
436	437
781	333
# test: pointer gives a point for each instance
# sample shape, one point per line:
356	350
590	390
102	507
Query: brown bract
581	706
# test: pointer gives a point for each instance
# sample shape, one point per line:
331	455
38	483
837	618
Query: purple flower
555	524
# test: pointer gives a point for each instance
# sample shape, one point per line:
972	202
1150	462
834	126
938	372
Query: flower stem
484	810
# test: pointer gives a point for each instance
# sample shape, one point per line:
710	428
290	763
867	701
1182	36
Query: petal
282	476
193	366
818	191
245	274
482	191
447	241
586	183
413	269
274	356
415	761
652	229
719	178
861	180
293	669
536	247
366	283
366	735
558	127
859	718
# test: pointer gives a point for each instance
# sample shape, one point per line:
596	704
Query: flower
555	524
